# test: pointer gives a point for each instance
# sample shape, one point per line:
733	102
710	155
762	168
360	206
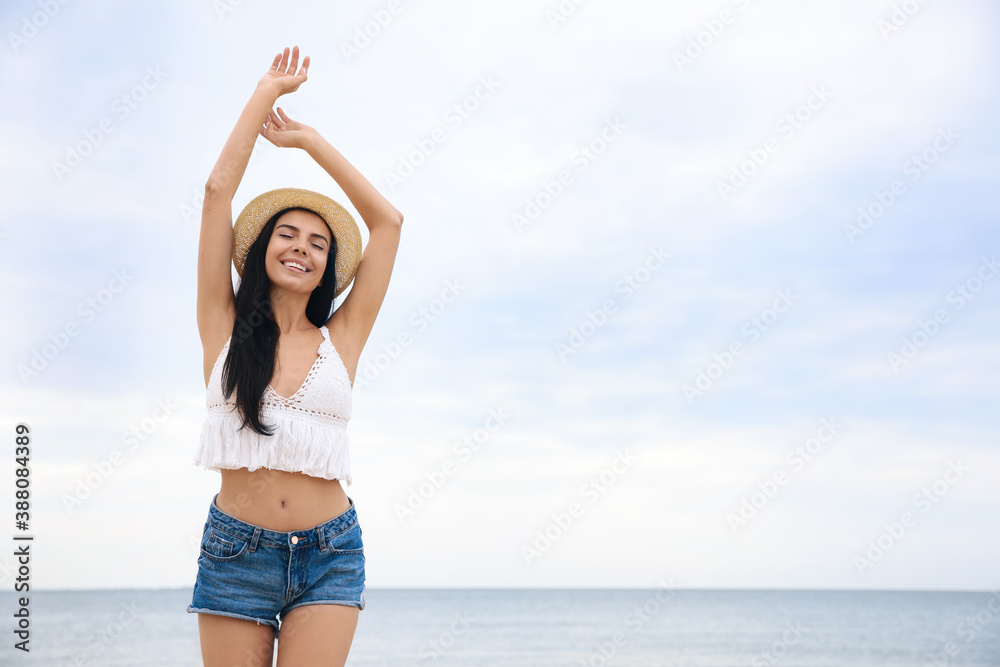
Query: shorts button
295	539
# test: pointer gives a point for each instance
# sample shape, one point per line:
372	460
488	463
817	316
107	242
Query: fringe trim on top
298	445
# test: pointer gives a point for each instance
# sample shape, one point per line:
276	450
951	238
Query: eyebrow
293	227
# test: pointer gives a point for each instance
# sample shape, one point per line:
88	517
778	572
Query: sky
697	292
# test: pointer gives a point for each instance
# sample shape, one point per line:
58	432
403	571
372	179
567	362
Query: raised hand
284	132
283	76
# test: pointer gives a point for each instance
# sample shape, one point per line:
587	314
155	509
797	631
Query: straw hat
256	214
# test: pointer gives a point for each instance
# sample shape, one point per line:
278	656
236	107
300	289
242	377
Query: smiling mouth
295	267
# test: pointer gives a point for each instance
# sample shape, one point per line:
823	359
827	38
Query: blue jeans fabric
249	572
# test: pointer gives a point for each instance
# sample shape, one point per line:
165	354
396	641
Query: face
301	238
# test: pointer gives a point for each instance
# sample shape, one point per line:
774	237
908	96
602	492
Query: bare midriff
279	500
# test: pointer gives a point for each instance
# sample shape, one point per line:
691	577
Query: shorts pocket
223	547
347	541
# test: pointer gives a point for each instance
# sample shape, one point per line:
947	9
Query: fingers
279	123
287	63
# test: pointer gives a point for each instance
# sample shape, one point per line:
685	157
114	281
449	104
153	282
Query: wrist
268	89
311	141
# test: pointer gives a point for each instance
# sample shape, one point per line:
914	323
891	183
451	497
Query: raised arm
216	301
356	315
360	308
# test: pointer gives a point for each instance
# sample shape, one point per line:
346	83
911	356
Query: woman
282	540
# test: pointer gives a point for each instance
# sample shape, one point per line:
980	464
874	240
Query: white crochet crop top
310	427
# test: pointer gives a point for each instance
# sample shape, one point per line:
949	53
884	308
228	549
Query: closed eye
288	236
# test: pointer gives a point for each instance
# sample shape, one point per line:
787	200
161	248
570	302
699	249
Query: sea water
566	627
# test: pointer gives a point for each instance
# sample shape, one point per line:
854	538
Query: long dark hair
250	363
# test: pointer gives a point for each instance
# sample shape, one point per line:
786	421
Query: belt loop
253	540
319	536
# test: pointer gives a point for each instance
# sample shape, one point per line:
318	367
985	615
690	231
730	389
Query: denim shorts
249	572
